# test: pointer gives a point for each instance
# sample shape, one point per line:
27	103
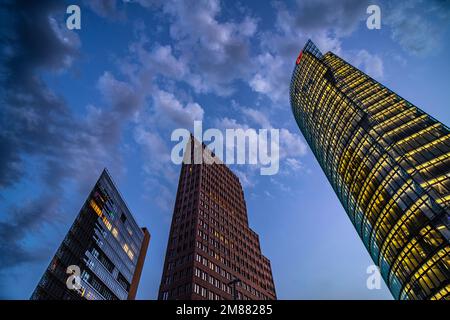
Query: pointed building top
312	48
309	47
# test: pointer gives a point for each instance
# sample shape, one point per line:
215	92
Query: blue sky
110	94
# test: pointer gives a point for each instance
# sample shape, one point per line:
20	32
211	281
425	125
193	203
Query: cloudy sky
110	94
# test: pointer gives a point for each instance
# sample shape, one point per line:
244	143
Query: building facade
389	164
211	245
102	255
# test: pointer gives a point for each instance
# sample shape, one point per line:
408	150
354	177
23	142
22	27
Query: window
107	223
85	276
90	264
106	262
203	292
115	233
129	230
123	282
196	288
123	218
94	252
128	251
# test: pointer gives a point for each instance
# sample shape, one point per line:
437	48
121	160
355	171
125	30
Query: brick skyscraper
210	242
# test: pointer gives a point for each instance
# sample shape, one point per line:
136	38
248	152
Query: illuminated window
128	251
96	208
115	233
373	158
89	296
107	224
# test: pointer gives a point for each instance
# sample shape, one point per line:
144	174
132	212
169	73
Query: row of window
205	293
217	269
109	226
97	285
107	263
262	271
232	228
212	280
373	185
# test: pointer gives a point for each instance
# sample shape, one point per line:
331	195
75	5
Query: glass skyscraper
389	164
106	246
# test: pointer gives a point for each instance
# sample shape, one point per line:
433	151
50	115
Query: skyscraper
211	249
389	164
104	244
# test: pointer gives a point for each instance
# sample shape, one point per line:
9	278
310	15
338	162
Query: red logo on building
299	57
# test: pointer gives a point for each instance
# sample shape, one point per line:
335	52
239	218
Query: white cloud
280	48
280	185
294	164
369	63
272	79
244	178
291	144
259	84
168	105
160	59
257	117
218	53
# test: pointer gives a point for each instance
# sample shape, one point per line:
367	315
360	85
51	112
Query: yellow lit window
125	248
107	223
130	254
115	233
96	208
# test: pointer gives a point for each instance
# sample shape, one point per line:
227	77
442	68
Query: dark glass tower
211	244
107	246
389	164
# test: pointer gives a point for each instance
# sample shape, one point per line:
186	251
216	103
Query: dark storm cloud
340	16
30	112
35	122
22	220
418	26
31	38
34	119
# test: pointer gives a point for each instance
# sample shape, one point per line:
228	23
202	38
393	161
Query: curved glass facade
389	164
